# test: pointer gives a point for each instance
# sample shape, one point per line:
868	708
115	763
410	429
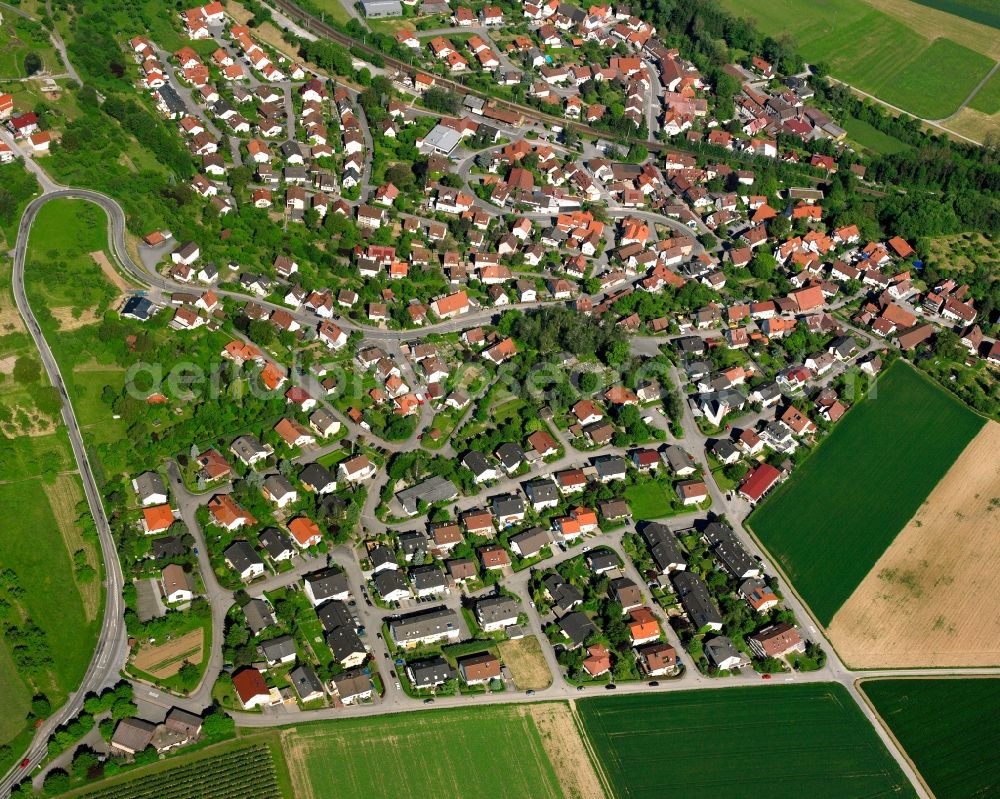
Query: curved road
112	645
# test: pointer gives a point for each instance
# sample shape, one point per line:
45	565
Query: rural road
109	655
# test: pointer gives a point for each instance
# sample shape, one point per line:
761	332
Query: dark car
610	686
428	700
653	684
385	655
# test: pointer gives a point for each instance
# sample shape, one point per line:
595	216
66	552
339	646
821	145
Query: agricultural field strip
248	772
838	503
630	736
470	750
932	720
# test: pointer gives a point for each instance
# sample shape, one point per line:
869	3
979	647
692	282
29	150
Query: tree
27	369
57	782
84	761
763	265
589	382
188	673
123	709
218	725
41	707
32	63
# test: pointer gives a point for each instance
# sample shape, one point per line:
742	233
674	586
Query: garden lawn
872	139
708	744
949	729
833	518
653	500
475	753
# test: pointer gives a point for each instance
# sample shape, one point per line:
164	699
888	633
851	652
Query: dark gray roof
724	448
259	615
428	577
278	648
729	551
317	476
381	555
275	542
564	595
577	627
530	541
169	547
697	602
344	643
436	621
149	483
413	543
435	489
335	614
507	504
242	556
510	455
603	560
278	485
388	581
171	99
666	554
476	462
496	608
690	345
541	491
430	672
305	681
610	466
327	583
137	307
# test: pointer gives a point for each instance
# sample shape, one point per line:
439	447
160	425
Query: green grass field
987	99
60	271
776	741
872	139
985	12
493	753
874	51
949	729
32	546
842	507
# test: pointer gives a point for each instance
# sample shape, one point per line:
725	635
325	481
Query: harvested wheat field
933	598
563	743
166	659
70	318
526	662
65	493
